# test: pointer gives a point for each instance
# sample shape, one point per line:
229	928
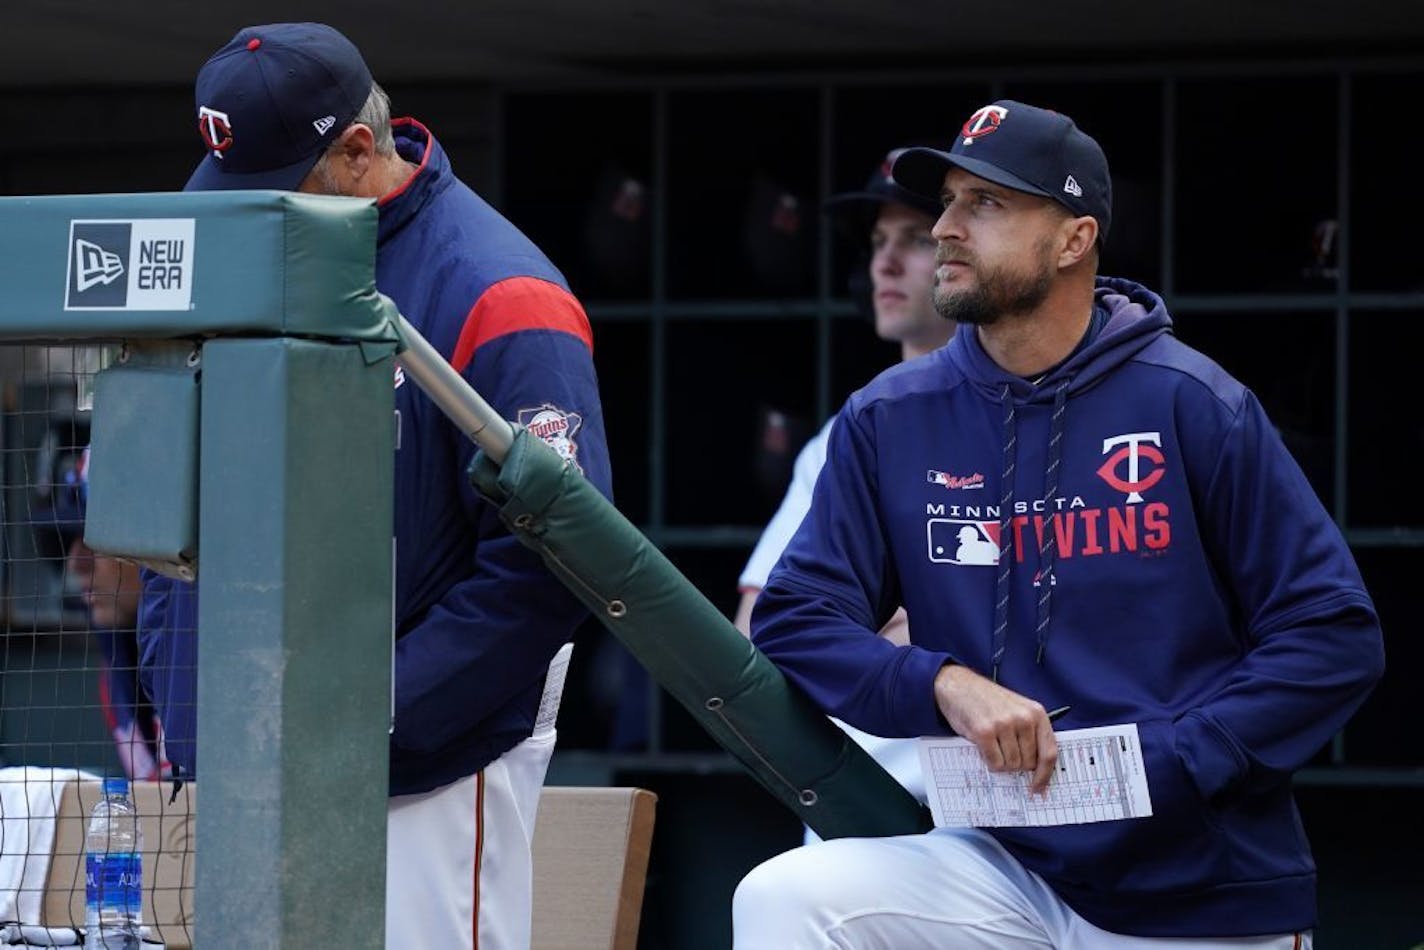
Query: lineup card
1099	777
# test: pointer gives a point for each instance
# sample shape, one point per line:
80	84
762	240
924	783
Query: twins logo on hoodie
1135	447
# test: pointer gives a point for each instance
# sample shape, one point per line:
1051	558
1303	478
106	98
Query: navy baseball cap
859	208
271	101
1024	148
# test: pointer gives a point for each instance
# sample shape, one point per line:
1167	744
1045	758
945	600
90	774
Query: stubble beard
997	293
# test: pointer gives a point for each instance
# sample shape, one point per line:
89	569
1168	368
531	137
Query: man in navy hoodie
1161	563
481	625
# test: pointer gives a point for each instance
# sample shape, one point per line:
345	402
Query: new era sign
142	264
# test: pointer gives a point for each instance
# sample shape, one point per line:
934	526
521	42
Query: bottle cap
116	786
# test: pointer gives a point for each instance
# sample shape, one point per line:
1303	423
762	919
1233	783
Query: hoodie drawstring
1048	550
1006	534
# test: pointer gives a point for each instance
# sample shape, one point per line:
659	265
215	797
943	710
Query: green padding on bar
729	687
175	264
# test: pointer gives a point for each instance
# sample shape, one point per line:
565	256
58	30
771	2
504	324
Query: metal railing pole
455	397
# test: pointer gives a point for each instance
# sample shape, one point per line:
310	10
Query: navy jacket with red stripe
478	617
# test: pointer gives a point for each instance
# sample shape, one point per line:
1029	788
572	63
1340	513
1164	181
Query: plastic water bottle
113	889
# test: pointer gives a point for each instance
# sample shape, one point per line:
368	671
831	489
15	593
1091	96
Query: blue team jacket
478	618
1198	589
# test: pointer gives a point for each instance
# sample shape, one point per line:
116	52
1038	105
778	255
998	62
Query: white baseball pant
899	757
949	888
458	867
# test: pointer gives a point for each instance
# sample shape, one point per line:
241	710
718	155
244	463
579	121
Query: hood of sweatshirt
1136	317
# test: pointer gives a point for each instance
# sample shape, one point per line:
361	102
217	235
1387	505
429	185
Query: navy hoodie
478	617
1198	589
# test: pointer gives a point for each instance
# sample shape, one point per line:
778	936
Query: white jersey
778	531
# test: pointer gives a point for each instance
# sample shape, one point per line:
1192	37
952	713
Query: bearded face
979	292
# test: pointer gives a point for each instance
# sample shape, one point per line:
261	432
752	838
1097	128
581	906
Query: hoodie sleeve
834	587
527	348
1313	648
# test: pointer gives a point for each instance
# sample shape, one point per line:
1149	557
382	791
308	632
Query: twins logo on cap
982	122
216	129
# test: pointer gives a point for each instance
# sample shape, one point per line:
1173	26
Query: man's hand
1011	731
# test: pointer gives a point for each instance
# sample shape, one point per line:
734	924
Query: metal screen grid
72	707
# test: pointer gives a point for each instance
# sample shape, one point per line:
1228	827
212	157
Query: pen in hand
1055	713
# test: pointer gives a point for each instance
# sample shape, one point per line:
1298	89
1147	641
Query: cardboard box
590	863
168	854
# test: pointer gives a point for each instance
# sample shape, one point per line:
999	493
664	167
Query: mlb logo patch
960	541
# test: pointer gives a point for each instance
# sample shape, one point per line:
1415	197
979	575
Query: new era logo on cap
1025	148
324	124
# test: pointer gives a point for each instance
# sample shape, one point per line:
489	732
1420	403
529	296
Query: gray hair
376	113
